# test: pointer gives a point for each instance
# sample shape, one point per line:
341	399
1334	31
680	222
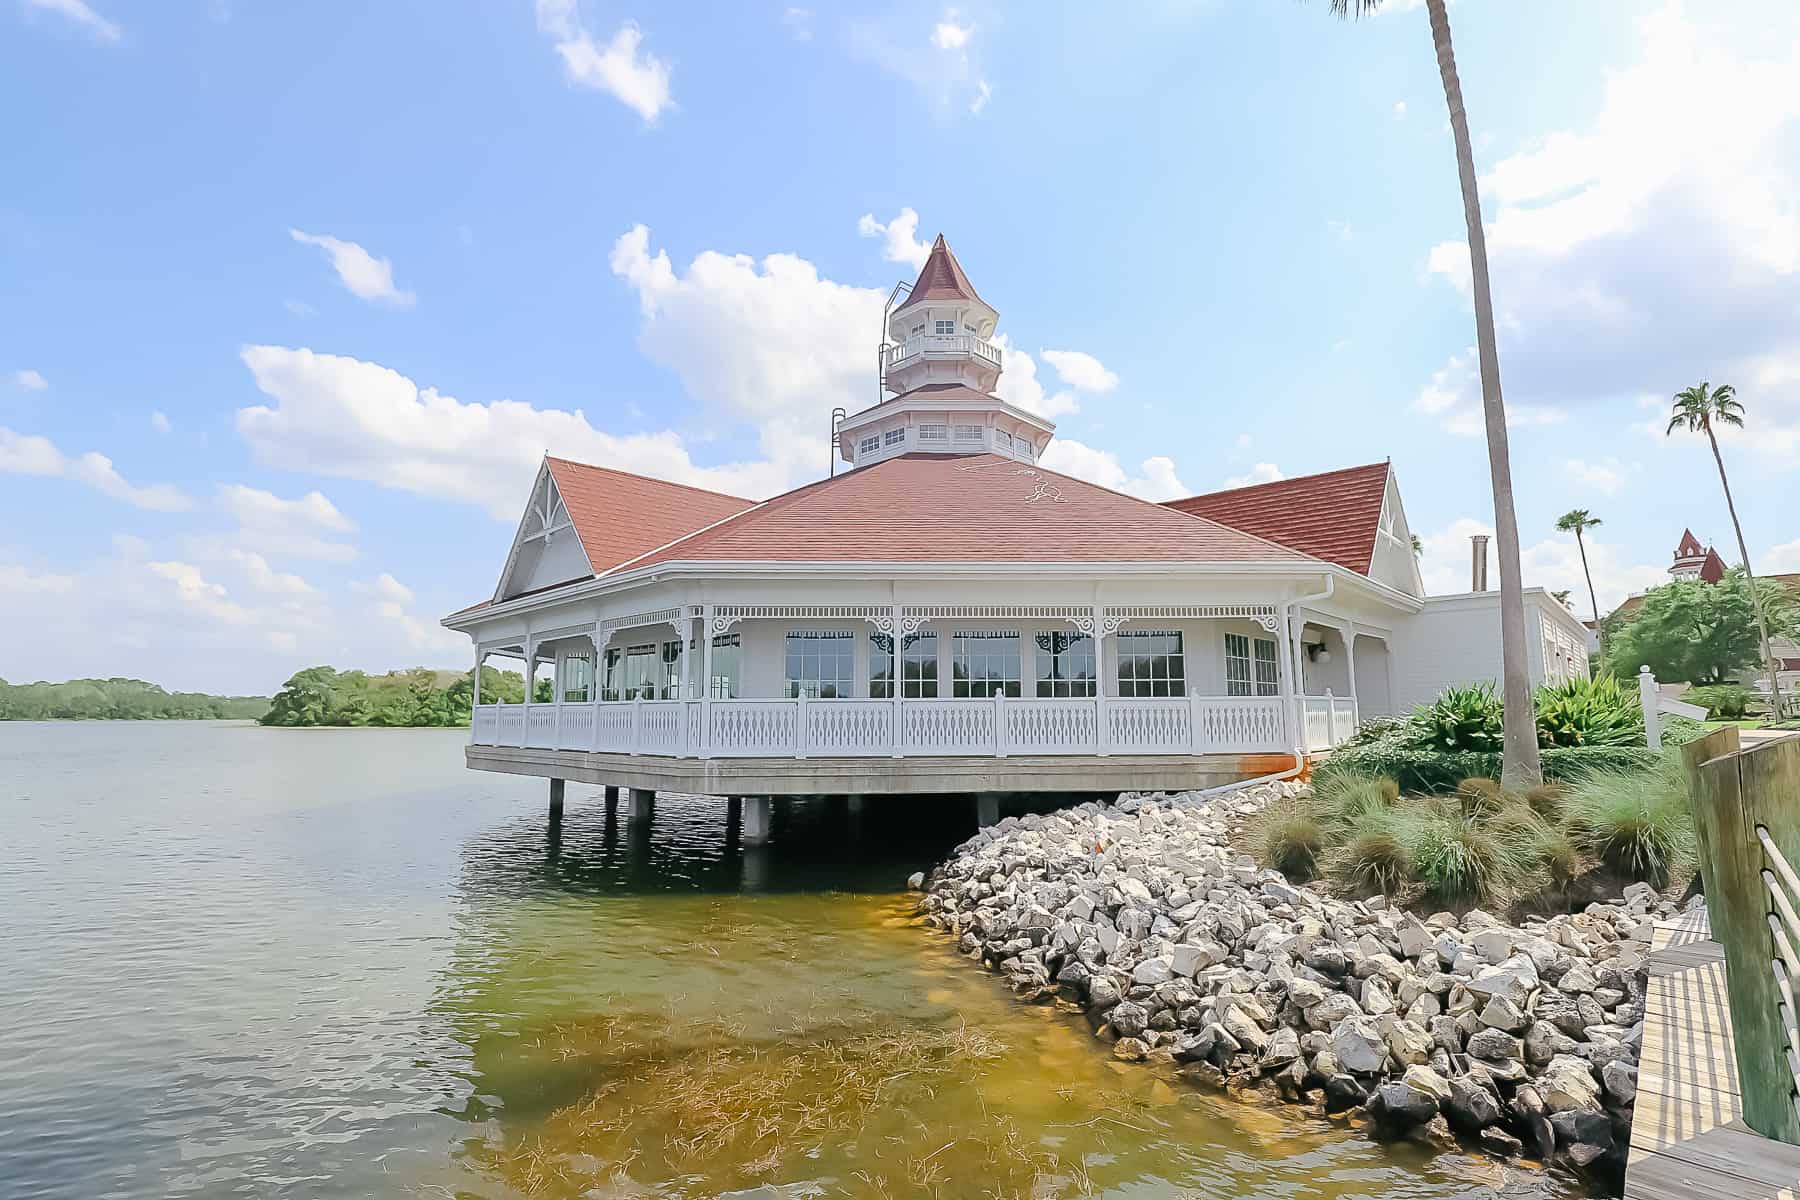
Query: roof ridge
1385	464
1168	506
688	487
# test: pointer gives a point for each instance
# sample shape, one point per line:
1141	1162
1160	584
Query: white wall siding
1455	640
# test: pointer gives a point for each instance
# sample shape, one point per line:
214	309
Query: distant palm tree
1575	521
1697	410
1418	547
1520	765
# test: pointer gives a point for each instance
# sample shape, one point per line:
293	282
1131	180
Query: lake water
322	963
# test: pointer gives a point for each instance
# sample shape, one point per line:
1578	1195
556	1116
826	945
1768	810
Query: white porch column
706	680
1102	735
1290	677
898	733
476	701
1349	633
531	653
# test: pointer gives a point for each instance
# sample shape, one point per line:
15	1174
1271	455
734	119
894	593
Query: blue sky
296	295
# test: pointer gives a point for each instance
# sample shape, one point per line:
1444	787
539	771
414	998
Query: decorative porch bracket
1747	814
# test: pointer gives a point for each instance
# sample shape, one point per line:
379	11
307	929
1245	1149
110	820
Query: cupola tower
939	360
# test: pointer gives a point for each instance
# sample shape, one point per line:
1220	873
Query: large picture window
727	666
1151	663
986	664
881	666
669	681
1250	666
1065	664
820	666
919	666
630	673
577	679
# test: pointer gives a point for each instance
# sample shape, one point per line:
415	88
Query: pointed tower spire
941	278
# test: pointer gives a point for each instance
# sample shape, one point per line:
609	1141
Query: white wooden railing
942	343
997	726
1327	721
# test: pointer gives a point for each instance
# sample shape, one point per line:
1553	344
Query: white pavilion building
947	616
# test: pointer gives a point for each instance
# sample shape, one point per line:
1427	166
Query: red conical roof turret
941	278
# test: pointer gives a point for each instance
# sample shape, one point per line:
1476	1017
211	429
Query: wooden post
556	798
1734	794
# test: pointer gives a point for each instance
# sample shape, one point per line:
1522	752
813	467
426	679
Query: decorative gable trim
546	518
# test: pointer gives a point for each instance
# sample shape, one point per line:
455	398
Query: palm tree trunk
1521	766
1762	623
1582	546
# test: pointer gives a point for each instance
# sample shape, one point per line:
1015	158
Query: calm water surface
237	961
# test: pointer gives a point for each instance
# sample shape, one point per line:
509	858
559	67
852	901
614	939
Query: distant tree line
417	697
119	700
1697	632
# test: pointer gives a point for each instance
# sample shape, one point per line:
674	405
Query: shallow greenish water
315	963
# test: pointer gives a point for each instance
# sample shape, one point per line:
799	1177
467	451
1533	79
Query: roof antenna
837	418
901	289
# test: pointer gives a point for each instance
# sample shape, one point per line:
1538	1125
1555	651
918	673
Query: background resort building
945	615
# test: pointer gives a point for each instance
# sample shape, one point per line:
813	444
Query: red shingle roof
620	516
966	508
941	278
1334	516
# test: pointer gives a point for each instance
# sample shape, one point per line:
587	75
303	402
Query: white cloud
949	34
900	237
1780	560
1341	229
18	579
1156	479
1399	110
1262	472
360	272
638	81
159	421
81	14
983	93
30	381
1606	475
1020	388
1081	371
392	602
200	594
799	22
265	578
343	416
1657	240
1553	563
29	454
1453	397
297	528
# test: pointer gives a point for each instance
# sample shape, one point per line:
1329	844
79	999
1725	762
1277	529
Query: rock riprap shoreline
1523	1039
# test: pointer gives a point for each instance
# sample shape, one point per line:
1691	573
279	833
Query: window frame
727	669
1059	654
842	659
943	328
1245	673
881	679
1137	674
922	683
894	437
964	657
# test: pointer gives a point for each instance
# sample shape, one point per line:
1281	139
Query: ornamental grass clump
1293	840
1639	823
1458	860
1376	859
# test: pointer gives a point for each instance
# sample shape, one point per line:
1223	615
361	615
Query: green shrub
1462	718
1375	728
1589	712
1545	800
1436	771
1723	701
1637	822
1478	796
1292	840
1343	801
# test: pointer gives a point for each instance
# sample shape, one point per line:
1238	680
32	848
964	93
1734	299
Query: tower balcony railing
899	353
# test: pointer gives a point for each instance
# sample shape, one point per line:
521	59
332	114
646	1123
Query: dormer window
894	437
946	326
868	446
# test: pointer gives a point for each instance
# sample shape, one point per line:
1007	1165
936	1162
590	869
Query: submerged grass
701	1103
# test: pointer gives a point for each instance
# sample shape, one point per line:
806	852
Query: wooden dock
1688	1141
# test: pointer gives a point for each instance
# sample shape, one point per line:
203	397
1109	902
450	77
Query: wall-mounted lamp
1316	652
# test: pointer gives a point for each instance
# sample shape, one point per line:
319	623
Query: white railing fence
1327	721
996	726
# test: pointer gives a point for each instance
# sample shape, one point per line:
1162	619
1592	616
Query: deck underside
882	776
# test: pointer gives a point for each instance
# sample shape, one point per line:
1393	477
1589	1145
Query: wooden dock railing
1747	815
